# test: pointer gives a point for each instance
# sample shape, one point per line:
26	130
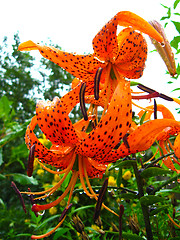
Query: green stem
144	208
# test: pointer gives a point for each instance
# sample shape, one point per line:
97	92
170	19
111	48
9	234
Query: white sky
73	24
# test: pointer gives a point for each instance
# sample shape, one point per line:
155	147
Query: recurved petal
94	169
166	113
105	42
55	158
177	146
112	127
142	138
55	122
80	66
132	55
129	19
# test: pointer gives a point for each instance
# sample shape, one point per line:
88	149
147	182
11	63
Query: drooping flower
73	149
163	139
115	56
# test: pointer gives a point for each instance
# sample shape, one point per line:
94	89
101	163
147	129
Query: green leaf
176	3
121	164
175	238
133	83
159	209
175	42
24	180
61	231
128	196
130	236
82	208
149	200
143	117
154	171
1	157
177	26
2	177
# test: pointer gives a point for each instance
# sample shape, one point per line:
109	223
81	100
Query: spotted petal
105	42
80	66
142	138
58	159
55	123
112	127
130	61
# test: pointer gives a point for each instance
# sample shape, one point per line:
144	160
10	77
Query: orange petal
112	127
105	42
55	123
177	146
166	113
130	61
60	159
129	19
80	66
142	138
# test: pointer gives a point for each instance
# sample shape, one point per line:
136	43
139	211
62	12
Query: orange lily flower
164	143
72	148
115	56
142	138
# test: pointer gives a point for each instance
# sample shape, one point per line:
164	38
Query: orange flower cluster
101	79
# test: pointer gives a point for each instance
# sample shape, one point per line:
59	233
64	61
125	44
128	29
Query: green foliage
18	97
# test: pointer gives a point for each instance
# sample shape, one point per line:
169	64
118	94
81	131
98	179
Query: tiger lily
115	56
72	148
164	144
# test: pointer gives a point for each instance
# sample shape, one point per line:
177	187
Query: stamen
126	141
82	101
61	220
100	199
30	161
121	211
150	90
32	201
165	97
65	212
13	185
38	208
173	221
96	83
91	190
145	89
155	109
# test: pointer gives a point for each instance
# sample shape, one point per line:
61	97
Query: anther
13	185
82	101
30	161
126	141
100	199
96	83
155	109
65	212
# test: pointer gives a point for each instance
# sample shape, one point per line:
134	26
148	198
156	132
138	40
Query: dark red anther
152	93
31	161
121	211
13	185
96	83
65	212
82	101
32	201
126	141
155	109
100	199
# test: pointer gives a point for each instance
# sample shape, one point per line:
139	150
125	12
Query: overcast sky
73	24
